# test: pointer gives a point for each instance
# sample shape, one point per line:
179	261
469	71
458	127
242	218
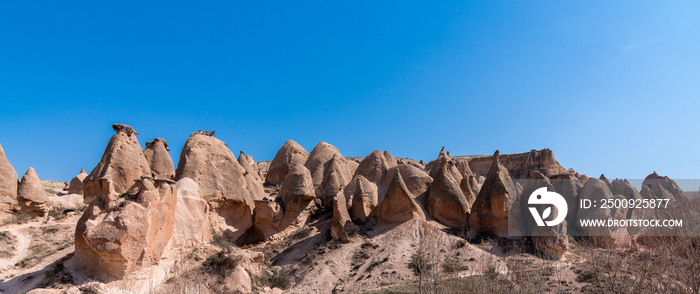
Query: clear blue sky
612	88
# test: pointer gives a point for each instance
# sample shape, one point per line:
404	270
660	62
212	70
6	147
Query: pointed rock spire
76	184
123	159
398	205
8	183
31	196
390	160
489	213
446	201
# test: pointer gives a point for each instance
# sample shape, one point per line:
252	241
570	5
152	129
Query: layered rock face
116	236
76	184
519	164
365	198
8	183
123	161
158	158
489	214
228	188
330	171
32	198
288	156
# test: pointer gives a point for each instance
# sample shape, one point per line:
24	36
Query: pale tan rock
390	160
569	186
470	188
288	156
329	174
398	205
191	224
8	183
518	164
373	167
662	187
32	198
243	161
431	167
117	236
551	242
341	226
239	281
123	160
68	202
597	191
489	214
446	202
158	158
365	198
76	184
297	194
228	188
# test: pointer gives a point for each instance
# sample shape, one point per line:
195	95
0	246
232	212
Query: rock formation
32	198
291	209
123	160
288	156
569	187
551	242
191	226
397	205
470	188
329	175
519	164
8	183
390	160
116	236
76	184
228	188
597	191
446	202
158	158
662	187
245	163
457	175
341	226
489	214
365	198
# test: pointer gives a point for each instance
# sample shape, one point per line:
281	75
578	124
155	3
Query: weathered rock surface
568	186
551	242
398	205
489	214
68	202
662	187
116	236
390	160
245	163
289	210
191	224
288	156
158	158
446	202
470	188
365	198
123	160
519	164
8	183
432	167
330	171
228	188
76	184
597	191
341	226
32	198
